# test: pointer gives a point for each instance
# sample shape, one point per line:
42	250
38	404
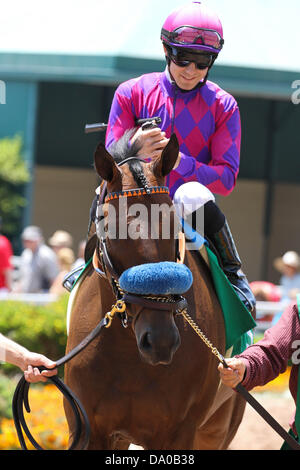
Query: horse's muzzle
157	337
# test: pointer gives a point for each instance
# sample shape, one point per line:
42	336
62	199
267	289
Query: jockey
204	117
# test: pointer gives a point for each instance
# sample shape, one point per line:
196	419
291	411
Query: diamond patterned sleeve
121	116
220	173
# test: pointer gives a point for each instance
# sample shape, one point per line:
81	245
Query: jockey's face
187	77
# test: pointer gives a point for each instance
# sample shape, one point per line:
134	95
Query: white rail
38	299
270	309
262	308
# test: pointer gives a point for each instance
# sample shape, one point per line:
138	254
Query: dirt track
254	433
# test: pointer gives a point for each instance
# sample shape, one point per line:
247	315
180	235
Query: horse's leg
236	418
95	441
101	440
72	425
219	430
91	299
121	444
180	438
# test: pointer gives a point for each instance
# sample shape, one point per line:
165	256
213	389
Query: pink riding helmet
193	26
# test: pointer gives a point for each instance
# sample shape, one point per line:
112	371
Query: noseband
101	259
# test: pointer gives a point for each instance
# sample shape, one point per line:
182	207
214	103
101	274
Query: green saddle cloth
237	318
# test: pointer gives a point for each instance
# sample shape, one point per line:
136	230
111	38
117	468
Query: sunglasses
183	59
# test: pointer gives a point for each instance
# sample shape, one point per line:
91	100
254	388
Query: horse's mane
122	149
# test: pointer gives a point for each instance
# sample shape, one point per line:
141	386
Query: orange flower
46	422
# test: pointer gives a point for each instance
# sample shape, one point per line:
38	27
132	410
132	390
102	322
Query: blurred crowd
42	266
288	266
288	287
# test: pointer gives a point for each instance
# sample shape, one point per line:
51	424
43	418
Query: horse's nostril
146	343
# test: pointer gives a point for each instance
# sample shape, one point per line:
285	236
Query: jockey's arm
219	174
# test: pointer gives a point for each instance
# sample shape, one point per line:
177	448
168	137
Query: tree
13	175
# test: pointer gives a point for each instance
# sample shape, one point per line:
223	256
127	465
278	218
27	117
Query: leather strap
265	414
267	417
106	261
176	304
20	399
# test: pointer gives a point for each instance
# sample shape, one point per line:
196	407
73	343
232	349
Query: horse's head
136	226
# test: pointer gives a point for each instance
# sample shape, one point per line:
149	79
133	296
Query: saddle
73	276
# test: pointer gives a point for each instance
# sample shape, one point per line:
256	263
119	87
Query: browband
137	192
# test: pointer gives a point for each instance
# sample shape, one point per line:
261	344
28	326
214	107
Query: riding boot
196	204
231	264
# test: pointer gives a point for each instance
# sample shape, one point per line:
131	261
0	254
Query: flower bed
46	422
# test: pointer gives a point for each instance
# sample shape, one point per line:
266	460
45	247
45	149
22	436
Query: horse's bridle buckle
119	307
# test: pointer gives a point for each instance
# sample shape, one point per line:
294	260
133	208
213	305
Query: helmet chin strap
199	85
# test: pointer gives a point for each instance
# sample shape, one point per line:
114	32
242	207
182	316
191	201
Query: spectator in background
289	266
265	291
6	252
66	259
60	239
38	263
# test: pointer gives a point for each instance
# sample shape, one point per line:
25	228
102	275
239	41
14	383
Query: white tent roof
258	33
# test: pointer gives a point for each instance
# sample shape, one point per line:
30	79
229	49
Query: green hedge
40	329
7	388
14	174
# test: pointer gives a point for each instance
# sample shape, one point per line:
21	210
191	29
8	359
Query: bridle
102	259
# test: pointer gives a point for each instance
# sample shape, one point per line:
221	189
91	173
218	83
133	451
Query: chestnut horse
154	384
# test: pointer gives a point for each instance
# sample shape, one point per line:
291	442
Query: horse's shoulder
197	262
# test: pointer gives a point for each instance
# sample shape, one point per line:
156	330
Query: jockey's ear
105	165
163	165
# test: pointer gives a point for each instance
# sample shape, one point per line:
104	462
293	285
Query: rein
101	256
20	397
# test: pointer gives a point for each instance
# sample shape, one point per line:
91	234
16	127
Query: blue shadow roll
157	278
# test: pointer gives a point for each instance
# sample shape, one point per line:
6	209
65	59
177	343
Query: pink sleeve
121	115
220	174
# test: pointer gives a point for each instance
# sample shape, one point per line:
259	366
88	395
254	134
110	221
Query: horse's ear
163	165
105	165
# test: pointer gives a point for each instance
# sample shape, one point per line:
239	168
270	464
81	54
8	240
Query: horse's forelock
122	149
